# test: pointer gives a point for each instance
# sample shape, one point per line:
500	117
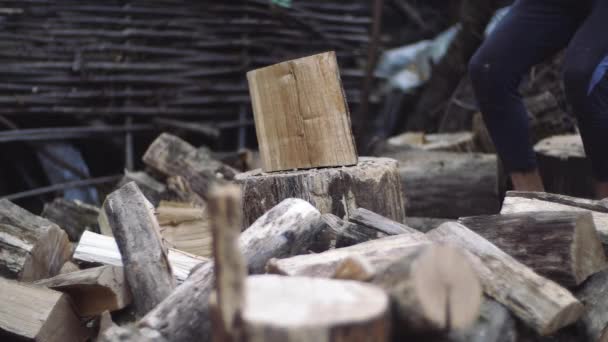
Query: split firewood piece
301	115
379	253
539	302
230	268
378	222
562	246
433	288
69	267
495	324
354	268
184	315
99	249
93	290
294	309
594	295
144	257
184	227
150	187
449	142
373	183
287	229
448	184
519	201
174	157
74	217
31	247
331	227
35	313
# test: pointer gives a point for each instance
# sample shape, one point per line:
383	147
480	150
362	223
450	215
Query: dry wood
433	288
379	253
562	246
354	268
331	227
540	303
144	257
564	166
517	202
448	142
93	290
174	157
448	184
34	313
99	249
184	227
424	224
373	184
230	268
73	217
594	295
301	115
370	219
31	247
495	324
69	267
150	187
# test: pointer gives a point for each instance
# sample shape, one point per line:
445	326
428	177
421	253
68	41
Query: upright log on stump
539	302
31	247
448	184
562	246
373	184
144	257
564	166
301	115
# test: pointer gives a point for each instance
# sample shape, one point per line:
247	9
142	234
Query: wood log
331	227
354	268
174	157
31	247
447	184
519	201
150	187
447	142
562	246
538	302
424	224
371	220
93	290
301	115
184	227
230	268
379	253
34	313
594	295
495	324
144	257
69	267
433	288
564	166
95	249
312	309
372	184
74	217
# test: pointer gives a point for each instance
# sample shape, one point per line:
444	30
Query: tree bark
74	217
594	295
384	225
93	290
32	247
540	303
562	246
372	184
144	257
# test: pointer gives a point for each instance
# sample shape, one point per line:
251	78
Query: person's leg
586	83
531	32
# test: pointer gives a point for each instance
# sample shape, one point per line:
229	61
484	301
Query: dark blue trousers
533	31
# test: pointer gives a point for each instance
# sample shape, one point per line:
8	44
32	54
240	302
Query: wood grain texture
35	313
74	217
372	220
539	302
562	246
373	184
144	257
448	184
93	290
31	247
301	116
184	227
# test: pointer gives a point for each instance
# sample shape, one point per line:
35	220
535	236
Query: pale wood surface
448	142
31	247
373	184
73	217
184	227
562	246
35	313
301	115
539	302
144	256
93	290
354	268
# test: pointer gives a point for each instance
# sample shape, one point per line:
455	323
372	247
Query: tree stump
373	184
564	167
301	115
